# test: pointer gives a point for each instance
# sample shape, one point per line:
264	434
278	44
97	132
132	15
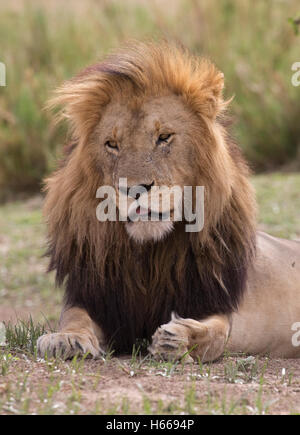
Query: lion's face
151	143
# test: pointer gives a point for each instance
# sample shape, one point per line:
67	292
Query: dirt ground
136	384
128	385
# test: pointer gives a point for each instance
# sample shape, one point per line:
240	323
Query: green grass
24	283
23	335
254	44
279	204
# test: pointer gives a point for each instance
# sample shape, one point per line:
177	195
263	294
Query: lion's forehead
144	115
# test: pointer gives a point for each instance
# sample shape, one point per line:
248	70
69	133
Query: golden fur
71	202
203	271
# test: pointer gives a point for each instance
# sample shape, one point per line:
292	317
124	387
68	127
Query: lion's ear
214	99
207	90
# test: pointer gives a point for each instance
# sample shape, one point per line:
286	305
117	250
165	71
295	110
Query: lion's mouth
146	214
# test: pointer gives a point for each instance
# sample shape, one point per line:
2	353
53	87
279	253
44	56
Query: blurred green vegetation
42	44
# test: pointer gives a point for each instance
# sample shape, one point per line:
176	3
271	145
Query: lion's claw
168	345
66	345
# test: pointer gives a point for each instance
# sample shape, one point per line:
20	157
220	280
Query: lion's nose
135	191
147	186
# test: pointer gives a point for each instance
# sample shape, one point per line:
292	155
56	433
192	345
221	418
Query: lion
155	114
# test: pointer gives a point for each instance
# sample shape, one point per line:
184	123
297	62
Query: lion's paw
66	345
168	343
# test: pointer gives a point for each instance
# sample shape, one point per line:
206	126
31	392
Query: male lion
152	113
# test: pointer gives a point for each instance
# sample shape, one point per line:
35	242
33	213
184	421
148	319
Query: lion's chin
144	231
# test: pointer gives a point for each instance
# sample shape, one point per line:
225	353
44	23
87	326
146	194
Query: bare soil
115	387
138	385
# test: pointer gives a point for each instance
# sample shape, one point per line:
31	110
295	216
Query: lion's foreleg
204	340
78	335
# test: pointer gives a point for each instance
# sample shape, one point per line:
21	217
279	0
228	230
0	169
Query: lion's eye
164	138
112	145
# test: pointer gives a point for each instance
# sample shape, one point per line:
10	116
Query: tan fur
78	335
203	341
263	323
135	94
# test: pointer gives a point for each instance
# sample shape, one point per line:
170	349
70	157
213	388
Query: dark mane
131	312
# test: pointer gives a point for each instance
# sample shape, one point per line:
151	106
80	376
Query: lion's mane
131	289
